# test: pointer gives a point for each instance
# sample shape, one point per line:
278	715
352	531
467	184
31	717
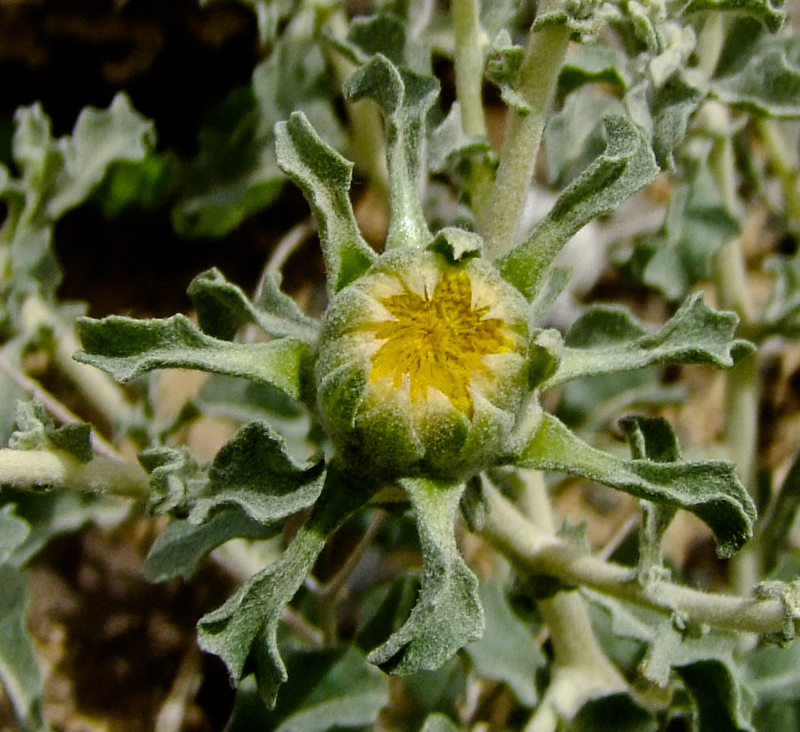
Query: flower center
438	341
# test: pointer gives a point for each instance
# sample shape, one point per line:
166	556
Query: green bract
422	366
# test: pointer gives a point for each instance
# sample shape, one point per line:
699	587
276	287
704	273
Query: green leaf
772	673
592	64
19	668
508	651
697	224
327	689
710	489
13	533
437	722
127	348
767	81
769	12
35	430
254	472
222	309
780	314
324	176
626	165
618	711
243	632
181	548
607	339
448	613
721	702
406	99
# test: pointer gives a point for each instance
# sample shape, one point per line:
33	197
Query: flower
422	365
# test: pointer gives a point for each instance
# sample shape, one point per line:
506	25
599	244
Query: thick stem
469	66
533	550
537	80
40	470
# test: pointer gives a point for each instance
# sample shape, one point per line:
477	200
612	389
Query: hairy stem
535	551
469	66
42	470
537	80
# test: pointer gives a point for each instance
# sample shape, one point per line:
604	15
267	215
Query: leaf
330	688
507	652
697	224
767	81
254	472
448	612
769	12
619	710
13	533
324	176
706	665
780	314
127	348
592	64
772	673
181	548
406	99
222	309
35	430
19	668
437	722
626	166
243	632
607	339
710	489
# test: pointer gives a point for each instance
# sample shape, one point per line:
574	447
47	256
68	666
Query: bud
422	366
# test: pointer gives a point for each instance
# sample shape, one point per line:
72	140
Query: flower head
422	364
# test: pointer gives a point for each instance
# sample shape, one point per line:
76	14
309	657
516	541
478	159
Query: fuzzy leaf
19	668
710	489
502	69
13	533
626	165
507	652
127	348
591	64
35	430
254	472
768	82
222	309
780	314
448	612
437	722
626	714
181	548
243	632
607	339
324	176
769	12
405	98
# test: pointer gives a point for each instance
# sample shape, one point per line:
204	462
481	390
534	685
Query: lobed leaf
607	339
127	348
324	176
448	612
406	99
222	309
626	165
243	631
710	489
769	12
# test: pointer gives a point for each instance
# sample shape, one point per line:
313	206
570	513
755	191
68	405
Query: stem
469	66
534	551
537	80
41	470
581	669
785	169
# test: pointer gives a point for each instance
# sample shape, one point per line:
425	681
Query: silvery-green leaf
768	81
13	533
437	722
243	631
35	430
19	667
769	12
127	348
448	613
503	63
626	165
324	176
592	64
710	489
222	309
607	339
508	651
254	472
780	314
619	709
405	98
181	548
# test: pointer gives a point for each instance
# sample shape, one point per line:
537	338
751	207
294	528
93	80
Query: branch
535	552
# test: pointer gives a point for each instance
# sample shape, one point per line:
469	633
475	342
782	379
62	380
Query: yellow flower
422	365
438	341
